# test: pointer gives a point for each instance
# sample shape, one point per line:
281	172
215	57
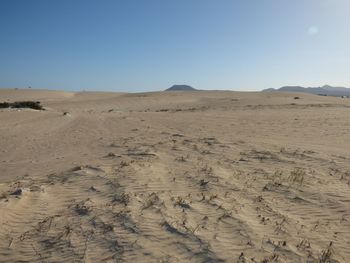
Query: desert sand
209	176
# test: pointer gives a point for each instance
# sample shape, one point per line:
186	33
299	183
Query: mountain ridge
326	90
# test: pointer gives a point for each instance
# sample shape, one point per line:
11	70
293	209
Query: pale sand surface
175	177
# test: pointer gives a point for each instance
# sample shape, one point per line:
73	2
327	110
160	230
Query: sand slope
175	177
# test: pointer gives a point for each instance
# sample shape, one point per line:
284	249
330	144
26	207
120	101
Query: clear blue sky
139	45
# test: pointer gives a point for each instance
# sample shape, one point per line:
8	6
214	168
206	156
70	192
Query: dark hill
180	87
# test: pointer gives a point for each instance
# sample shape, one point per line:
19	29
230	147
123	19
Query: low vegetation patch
35	105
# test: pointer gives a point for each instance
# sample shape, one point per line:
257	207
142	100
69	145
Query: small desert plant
278	176
180	159
213	196
259	199
67	230
123	164
297	176
106	227
207	170
180	201
241	258
81	209
111	155
203	183
17	192
123	198
280	226
304	244
345	176
327	254
191	229
151	201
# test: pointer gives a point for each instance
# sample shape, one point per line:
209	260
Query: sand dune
175	177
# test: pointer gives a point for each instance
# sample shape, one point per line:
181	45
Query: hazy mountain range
324	90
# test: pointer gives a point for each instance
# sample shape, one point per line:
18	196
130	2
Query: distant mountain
180	87
324	90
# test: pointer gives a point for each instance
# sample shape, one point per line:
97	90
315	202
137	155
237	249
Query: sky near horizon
139	45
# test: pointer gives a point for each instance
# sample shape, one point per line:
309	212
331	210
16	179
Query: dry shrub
22	104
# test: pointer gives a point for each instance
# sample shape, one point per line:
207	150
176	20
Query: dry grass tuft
326	254
297	176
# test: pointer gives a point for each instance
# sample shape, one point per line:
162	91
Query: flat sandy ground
175	177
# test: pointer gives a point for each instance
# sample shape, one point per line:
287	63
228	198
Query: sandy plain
209	176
